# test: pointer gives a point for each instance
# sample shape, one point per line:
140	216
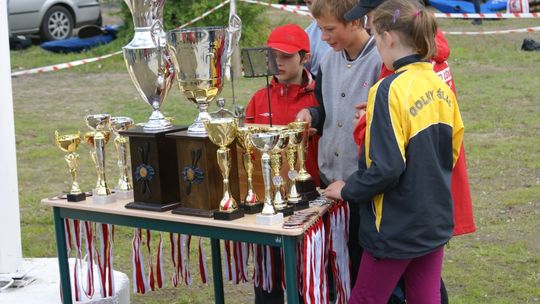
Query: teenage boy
343	79
290	91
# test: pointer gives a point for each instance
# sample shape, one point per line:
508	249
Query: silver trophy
147	61
199	56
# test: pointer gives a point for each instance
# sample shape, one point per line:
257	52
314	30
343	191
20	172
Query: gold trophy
251	203
222	132
275	163
69	143
293	197
98	138
124	187
304	182
264	142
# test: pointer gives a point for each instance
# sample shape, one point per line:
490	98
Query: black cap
361	9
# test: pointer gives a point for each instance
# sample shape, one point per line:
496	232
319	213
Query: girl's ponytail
410	18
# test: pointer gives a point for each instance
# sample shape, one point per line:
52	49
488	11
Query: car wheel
57	24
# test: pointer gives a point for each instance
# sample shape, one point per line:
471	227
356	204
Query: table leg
216	268
289	255
61	249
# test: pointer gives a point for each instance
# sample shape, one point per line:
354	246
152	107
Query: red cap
288	38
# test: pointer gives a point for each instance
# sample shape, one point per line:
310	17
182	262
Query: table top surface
246	223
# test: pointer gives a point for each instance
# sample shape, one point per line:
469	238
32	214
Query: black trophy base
194	212
151	206
76	197
301	205
228	216
252	209
307	190
289	210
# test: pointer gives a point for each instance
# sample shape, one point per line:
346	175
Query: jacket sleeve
384	154
318	114
250	110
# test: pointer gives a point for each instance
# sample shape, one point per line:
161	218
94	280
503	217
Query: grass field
498	87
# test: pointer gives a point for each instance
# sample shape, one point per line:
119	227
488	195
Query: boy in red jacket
290	91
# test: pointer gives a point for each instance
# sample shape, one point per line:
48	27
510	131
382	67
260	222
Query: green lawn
497	88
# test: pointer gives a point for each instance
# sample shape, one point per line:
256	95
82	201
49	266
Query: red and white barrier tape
521	30
488	16
295	9
205	14
62	66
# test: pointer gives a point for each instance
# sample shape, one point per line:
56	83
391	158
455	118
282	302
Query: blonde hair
334	8
410	18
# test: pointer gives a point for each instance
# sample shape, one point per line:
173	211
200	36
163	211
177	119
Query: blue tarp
448	6
78	44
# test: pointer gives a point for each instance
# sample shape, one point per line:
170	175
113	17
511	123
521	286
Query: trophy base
268	220
228	216
307	190
124	194
288	210
76	197
301	205
252	208
151	206
103	199
194	212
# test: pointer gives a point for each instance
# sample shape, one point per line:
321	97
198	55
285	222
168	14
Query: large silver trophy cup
199	56
146	59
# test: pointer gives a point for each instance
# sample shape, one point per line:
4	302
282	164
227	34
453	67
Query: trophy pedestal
253	208
268	220
200	180
76	197
151	206
300	205
124	194
103	199
194	212
288	210
307	190
154	169
228	216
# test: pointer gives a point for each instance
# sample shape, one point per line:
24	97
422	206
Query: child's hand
333	191
360	111
305	115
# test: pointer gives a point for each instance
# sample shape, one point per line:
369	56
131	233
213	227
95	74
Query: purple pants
378	277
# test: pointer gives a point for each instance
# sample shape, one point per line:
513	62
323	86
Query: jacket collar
308	84
398	64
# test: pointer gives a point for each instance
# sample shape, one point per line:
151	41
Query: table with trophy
217	177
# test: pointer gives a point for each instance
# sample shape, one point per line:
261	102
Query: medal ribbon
202	262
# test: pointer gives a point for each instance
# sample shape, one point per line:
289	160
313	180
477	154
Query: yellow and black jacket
414	132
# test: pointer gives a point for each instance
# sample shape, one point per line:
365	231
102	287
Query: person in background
290	91
317	45
402	183
343	79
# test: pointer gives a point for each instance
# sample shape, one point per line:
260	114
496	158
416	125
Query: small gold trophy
304	182
294	198
251	203
265	142
222	132
275	163
69	143
124	187
98	138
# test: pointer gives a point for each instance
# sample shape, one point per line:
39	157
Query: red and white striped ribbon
159	264
202	262
140	285
151	280
73	232
175	250
337	226
186	244
229	273
512	31
89	242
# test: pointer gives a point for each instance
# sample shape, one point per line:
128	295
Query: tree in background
255	27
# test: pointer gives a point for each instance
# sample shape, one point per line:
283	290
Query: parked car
51	19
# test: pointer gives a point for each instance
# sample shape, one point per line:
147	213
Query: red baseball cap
288	38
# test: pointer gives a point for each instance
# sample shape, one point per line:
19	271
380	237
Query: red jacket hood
443	50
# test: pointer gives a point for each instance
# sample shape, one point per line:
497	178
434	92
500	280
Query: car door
24	15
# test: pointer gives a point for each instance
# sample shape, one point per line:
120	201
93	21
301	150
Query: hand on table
333	191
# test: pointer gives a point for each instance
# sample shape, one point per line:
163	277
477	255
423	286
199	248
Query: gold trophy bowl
222	132
69	143
295	139
277	180
120	124
304	182
97	139
251	203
